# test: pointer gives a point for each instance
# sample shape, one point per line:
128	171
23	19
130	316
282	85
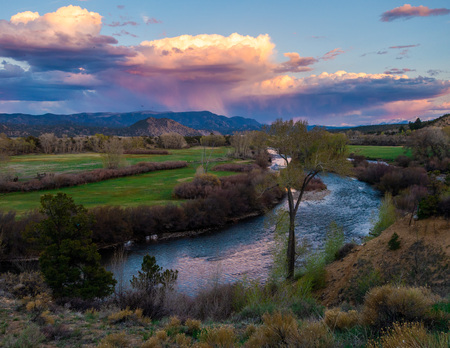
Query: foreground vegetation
372	300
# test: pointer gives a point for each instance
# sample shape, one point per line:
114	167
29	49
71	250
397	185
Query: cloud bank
407	12
60	62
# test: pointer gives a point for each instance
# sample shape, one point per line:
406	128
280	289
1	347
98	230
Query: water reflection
244	249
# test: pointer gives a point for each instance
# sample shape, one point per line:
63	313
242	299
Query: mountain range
127	124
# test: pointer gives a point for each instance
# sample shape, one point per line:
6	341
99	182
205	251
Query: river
244	249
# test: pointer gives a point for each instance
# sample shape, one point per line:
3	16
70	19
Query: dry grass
279	329
116	340
387	304
128	315
222	336
337	319
411	335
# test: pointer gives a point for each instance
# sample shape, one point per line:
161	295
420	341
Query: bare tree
112	153
306	154
172	141
48	142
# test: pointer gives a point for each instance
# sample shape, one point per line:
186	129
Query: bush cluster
235	167
391	179
146	152
64	180
220	201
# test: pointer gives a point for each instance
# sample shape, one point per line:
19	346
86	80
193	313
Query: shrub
333	242
344	250
235	167
444	207
24	284
316	184
409	198
315	334
111	225
314	270
398	179
307	308
193	326
386	216
410	335
373	173
146	152
30	337
127	315
182	340
279	329
387	304
428	206
214	303
116	340
394	242
222	336
402	161
56	332
337	319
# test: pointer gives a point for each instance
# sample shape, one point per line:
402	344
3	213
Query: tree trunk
291	247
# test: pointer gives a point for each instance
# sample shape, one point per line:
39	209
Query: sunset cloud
407	11
61	58
296	63
332	54
395	71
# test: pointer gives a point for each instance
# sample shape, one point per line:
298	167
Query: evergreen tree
70	262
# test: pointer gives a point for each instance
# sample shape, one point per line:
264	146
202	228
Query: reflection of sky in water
244	249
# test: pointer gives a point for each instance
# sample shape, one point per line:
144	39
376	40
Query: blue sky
333	63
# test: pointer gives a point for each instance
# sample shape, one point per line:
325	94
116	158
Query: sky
335	63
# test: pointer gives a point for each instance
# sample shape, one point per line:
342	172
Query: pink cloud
407	11
151	20
332	54
296	63
72	64
396	71
404	46
122	24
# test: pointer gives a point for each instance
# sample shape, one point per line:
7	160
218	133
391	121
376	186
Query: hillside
118	123
440	122
155	127
205	120
423	258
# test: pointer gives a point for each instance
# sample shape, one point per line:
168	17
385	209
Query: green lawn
26	167
386	153
150	189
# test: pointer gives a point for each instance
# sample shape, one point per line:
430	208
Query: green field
26	167
385	153
145	189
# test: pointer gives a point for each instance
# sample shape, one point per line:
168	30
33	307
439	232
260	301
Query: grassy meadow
153	188
27	166
385	153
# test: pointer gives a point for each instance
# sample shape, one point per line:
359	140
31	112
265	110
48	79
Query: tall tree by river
306	154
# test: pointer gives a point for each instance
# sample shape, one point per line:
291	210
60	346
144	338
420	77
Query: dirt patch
423	259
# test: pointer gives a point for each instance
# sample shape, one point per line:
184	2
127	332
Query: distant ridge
114	123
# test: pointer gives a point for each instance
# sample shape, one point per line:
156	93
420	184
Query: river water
245	249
